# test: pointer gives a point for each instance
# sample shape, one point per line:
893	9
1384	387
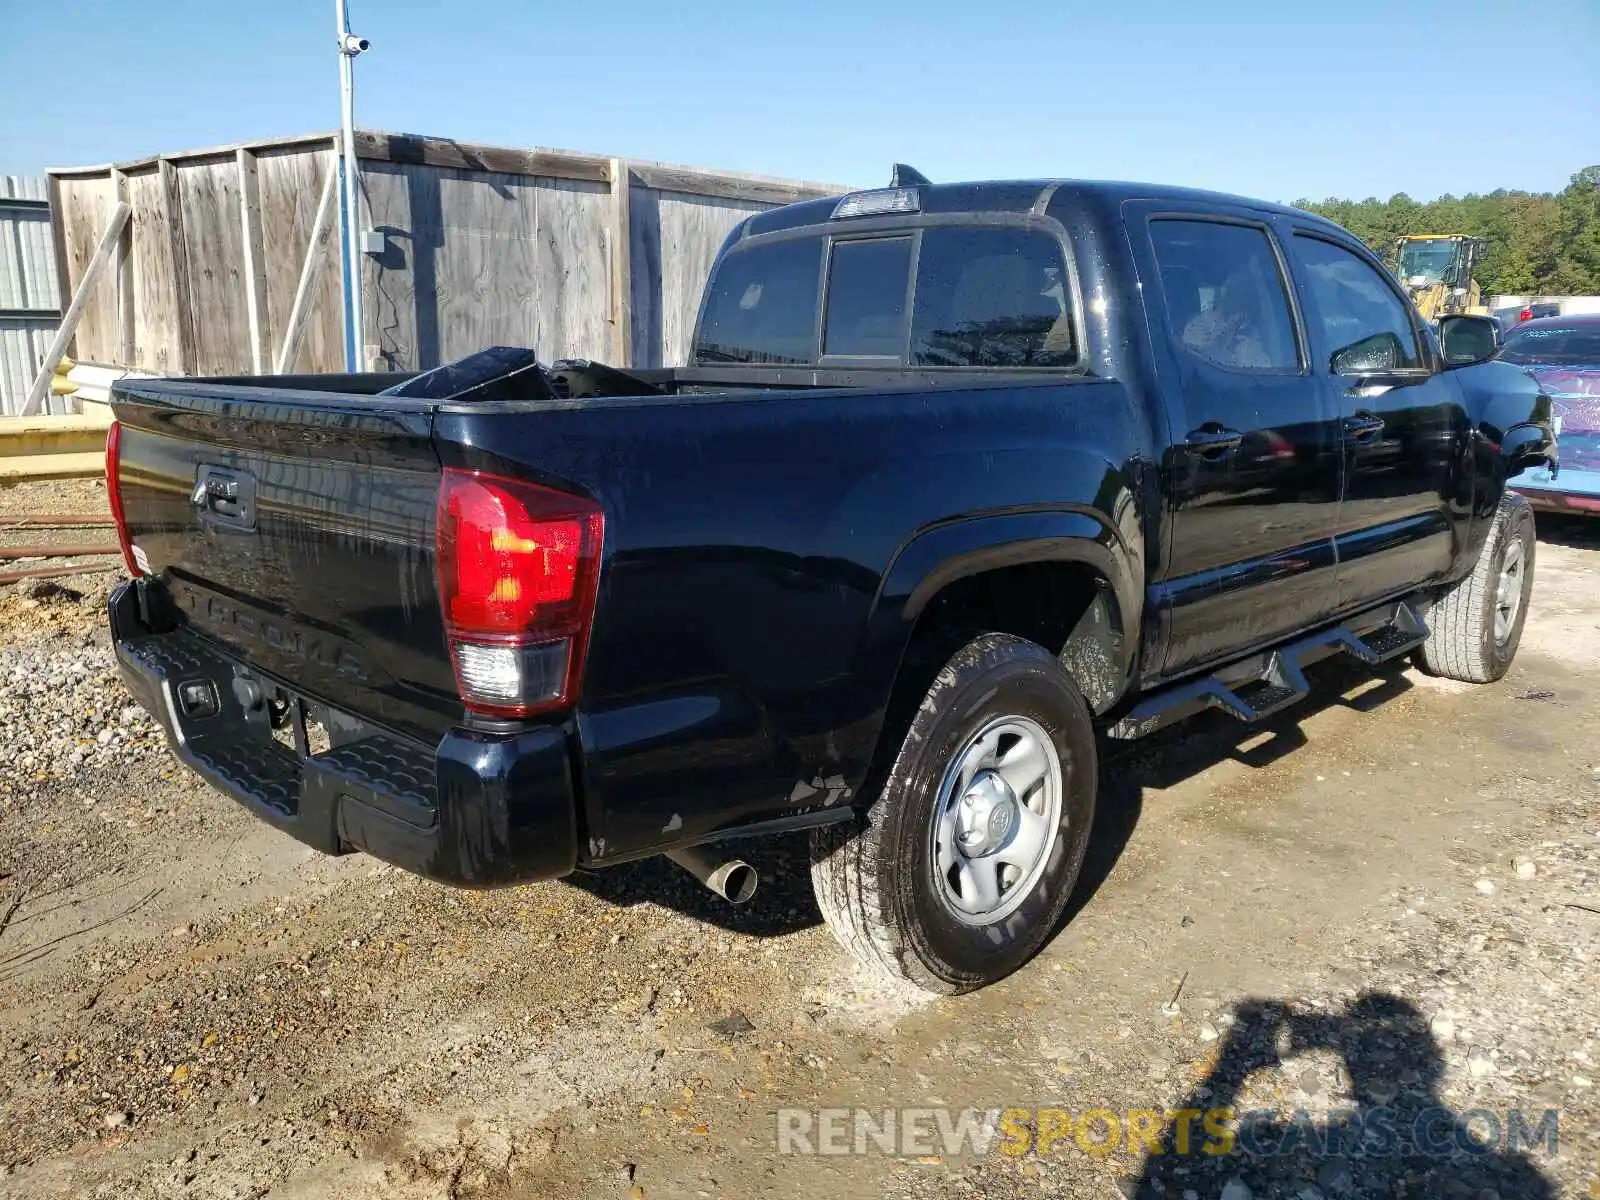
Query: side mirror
1370	356
1465	339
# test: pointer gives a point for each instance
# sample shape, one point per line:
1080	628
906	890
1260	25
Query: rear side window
992	297
763	305
1225	294
867	285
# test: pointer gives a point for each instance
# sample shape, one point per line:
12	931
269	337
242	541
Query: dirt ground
1389	899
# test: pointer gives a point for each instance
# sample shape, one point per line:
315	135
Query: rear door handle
1363	426
1213	440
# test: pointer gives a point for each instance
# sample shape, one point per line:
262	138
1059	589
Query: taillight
518	567
114	494
1525	315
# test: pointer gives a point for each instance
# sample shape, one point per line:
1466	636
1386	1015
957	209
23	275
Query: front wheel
960	871
1477	623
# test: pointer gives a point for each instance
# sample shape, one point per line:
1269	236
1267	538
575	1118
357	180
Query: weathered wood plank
460	274
477	260
155	315
418	150
122	273
58	239
213	255
139	165
182	298
80	298
254	269
728	186
484	275
572	288
315	257
291	187
85	206
388	281
620	241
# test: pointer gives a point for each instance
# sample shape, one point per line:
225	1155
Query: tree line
1538	243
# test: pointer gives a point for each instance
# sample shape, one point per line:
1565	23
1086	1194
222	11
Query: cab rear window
763	305
867	298
984	296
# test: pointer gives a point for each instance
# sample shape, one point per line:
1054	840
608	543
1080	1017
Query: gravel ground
1387	901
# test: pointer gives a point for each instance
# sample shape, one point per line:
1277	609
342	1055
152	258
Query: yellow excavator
1436	269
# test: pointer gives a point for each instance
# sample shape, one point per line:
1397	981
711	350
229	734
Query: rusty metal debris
58	550
54	572
55	521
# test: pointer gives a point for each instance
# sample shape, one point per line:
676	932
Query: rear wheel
962	868
1477	623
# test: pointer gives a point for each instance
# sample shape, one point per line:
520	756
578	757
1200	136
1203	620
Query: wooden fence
578	255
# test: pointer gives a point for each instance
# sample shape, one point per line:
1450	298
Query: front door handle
1213	440
1363	426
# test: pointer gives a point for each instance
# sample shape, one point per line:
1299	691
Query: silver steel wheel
997	819
1508	591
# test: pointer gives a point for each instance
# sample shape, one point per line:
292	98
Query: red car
1563	354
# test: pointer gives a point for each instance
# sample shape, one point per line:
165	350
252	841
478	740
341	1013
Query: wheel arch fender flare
1108	545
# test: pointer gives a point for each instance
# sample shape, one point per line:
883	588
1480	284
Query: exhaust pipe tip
731	878
735	881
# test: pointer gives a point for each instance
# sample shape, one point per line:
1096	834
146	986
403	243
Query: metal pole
349	47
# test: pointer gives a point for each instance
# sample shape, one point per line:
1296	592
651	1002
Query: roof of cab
1010	196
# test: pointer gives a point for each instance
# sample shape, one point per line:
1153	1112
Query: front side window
992	297
867	283
762	306
1365	326
1225	294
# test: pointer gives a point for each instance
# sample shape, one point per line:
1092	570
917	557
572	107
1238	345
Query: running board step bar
1280	680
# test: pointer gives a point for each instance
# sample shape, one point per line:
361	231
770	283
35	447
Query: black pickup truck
959	479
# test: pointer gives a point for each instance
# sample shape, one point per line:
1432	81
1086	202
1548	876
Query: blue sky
1278	100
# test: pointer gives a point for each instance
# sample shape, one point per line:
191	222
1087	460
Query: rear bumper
477	810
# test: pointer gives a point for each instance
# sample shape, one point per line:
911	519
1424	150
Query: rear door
1253	476
1404	421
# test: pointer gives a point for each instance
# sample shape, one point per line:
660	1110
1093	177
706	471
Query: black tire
1462	642
876	881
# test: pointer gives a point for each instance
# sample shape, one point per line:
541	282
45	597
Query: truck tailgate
295	529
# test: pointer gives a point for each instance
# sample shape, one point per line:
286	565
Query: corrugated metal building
30	297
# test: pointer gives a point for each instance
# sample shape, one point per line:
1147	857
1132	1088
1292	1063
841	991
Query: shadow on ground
1396	1137
784	904
1180	751
1562	529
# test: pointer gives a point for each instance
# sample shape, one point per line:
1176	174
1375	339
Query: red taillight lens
114	494
518	568
1525	315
